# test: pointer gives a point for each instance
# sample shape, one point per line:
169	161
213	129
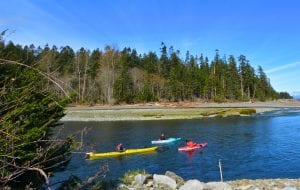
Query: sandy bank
163	105
166	111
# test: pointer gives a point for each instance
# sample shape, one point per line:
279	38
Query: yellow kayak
92	155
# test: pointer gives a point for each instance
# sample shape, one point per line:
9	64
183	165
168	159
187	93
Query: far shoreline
282	103
172	110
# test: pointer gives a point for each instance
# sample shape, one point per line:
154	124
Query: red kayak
195	146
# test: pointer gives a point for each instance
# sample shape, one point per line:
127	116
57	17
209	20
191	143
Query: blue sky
266	31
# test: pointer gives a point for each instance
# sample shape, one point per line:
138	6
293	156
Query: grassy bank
156	113
173	110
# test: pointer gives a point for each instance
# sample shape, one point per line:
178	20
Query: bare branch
100	174
4	61
42	174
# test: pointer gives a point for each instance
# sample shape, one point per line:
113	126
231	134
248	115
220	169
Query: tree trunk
242	91
84	78
78	71
248	89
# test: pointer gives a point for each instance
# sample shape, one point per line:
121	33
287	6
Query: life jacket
190	144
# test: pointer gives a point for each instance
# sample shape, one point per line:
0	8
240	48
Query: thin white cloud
296	93
283	67
286	80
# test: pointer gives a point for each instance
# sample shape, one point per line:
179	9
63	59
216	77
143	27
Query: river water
260	146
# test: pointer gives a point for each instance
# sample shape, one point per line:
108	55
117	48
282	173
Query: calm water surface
260	146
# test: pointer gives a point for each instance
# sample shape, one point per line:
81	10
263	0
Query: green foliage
95	63
247	111
156	115
74	183
71	183
218	99
150	63
145	94
113	76
164	61
104	184
27	114
285	95
123	87
232	80
65	61
174	85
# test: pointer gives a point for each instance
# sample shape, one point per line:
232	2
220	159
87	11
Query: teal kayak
168	140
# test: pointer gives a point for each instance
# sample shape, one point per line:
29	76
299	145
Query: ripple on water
262	146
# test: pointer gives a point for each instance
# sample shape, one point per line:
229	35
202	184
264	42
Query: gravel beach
166	111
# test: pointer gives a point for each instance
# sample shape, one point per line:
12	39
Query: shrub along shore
166	111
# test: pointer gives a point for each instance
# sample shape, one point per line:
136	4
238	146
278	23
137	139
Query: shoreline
145	181
268	104
173	110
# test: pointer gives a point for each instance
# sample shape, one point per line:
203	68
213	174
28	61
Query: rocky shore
171	181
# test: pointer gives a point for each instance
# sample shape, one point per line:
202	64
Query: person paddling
120	148
190	143
162	136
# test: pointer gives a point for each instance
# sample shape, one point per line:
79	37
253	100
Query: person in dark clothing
162	136
120	148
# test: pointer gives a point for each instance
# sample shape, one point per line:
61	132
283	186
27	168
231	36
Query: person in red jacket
190	143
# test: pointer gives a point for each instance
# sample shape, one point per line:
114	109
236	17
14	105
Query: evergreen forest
113	76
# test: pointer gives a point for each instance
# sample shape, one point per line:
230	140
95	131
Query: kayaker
190	143
162	136
120	148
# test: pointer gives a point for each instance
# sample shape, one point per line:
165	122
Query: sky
267	32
